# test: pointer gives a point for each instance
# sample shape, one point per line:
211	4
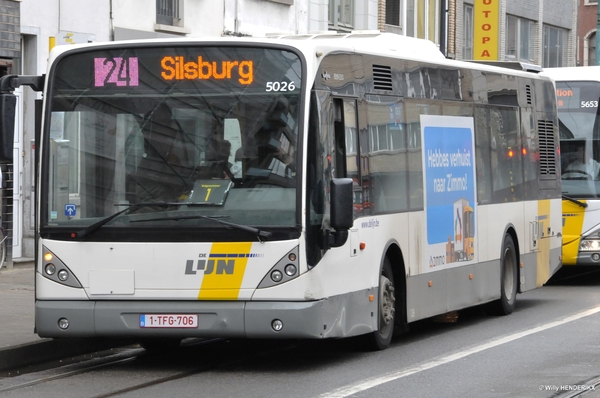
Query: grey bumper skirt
341	316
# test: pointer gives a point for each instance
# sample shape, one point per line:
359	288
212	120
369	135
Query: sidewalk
19	345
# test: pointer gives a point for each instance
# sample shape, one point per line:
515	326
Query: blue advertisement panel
449	188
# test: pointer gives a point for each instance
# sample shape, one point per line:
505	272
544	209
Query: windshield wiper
97	225
258	232
577	202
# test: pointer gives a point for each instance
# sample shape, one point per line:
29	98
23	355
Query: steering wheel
582	175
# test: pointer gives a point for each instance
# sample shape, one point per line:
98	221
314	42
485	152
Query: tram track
201	349
65	371
62	375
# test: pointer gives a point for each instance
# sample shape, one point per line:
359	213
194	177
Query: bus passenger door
347	157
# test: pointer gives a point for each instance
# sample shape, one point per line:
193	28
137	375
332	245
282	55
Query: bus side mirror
341	210
8	104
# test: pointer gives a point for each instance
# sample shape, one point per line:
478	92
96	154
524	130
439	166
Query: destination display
175	69
577	95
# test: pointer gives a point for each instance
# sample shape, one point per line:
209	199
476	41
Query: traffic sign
70	210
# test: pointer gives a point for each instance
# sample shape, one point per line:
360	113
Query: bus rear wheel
386	307
509	279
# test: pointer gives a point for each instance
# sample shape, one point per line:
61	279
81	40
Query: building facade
586	32
535	31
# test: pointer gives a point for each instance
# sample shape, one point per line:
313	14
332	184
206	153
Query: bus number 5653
589	104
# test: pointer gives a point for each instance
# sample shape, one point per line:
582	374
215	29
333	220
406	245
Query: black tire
509	275
386	308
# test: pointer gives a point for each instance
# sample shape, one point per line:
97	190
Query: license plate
168	321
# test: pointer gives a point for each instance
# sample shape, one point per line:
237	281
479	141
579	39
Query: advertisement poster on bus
449	191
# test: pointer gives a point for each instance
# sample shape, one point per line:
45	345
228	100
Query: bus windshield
180	135
579	130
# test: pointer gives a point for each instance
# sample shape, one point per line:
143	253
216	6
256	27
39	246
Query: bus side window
339	138
349	139
507	166
316	159
387	158
482	154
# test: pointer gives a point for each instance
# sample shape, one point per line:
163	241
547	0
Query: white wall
40	20
318	15
48	18
201	18
260	17
365	15
218	17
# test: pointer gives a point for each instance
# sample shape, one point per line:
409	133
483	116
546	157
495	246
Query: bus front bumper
332	317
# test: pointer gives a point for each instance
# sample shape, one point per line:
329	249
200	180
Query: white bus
291	187
578	93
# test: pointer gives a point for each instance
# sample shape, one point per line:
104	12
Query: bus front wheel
386	307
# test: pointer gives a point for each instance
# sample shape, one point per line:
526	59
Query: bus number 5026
280	86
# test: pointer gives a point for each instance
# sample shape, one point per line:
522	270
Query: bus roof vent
382	77
547	148
512	65
528	94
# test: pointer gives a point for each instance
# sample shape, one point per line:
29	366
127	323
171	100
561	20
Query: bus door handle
534	227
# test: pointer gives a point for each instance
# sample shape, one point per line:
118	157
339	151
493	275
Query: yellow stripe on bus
543	257
224	280
573	216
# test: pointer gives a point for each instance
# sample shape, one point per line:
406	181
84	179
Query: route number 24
280	86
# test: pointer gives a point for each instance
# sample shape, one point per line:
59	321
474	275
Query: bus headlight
50	269
290	270
63	275
54	269
588	245
286	269
276	276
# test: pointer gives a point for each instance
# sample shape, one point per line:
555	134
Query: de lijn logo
217	264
